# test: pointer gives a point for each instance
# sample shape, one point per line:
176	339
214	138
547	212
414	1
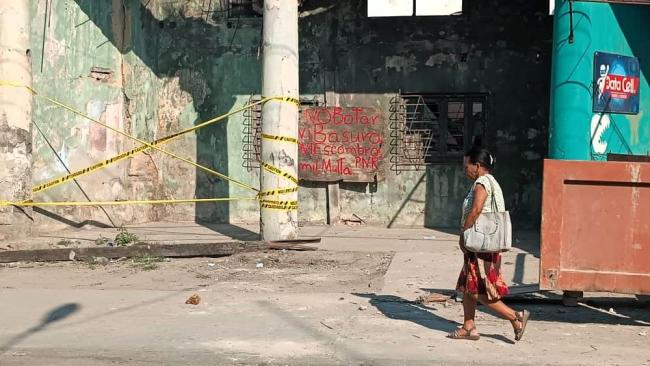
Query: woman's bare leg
468	330
469	310
499	307
503	310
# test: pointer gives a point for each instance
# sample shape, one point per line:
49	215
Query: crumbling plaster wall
172	65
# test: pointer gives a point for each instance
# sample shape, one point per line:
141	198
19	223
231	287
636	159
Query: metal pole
279	216
15	117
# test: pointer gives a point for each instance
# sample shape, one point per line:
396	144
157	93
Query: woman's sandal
456	334
522	318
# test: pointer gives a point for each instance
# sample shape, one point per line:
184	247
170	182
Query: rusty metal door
595	233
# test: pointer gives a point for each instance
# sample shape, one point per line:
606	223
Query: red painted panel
596	226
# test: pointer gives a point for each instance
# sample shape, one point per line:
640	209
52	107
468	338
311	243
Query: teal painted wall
577	133
175	64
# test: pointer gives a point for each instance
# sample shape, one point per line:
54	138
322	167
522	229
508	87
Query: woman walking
481	278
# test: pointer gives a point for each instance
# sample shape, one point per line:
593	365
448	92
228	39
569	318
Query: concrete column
15	117
569	135
280	118
576	132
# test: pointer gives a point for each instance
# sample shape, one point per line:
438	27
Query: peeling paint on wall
634	127
175	66
401	63
440	59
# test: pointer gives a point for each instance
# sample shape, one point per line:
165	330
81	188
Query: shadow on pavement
395	307
548	307
398	308
56	314
233	231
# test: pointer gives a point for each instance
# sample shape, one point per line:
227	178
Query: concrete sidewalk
424	258
346	304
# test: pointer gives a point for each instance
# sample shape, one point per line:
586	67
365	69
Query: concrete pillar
570	117
280	118
576	132
15	117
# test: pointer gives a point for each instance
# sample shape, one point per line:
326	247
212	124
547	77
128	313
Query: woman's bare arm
480	195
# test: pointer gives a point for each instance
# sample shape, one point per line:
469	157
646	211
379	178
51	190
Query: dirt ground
270	271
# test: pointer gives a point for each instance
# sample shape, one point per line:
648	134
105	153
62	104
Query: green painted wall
66	46
175	64
577	133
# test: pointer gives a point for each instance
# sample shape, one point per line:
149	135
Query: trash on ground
193	300
353	221
431	298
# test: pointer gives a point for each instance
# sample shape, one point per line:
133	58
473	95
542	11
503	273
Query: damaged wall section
174	64
15	118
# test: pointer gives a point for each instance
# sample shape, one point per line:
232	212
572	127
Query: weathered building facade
152	68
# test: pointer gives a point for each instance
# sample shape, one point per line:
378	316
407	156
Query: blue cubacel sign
616	83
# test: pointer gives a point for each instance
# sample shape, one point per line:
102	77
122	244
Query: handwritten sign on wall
341	143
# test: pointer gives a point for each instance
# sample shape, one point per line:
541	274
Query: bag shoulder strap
493	200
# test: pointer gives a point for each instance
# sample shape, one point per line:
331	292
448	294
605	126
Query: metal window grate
434	128
251	135
411	134
252	130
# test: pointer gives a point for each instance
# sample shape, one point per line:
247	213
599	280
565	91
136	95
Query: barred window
252	131
435	128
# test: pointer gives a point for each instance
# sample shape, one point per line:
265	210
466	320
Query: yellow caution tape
289	100
57	181
126	202
282	208
279	205
270	168
279	138
277	192
15	85
148	145
153	145
102	164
